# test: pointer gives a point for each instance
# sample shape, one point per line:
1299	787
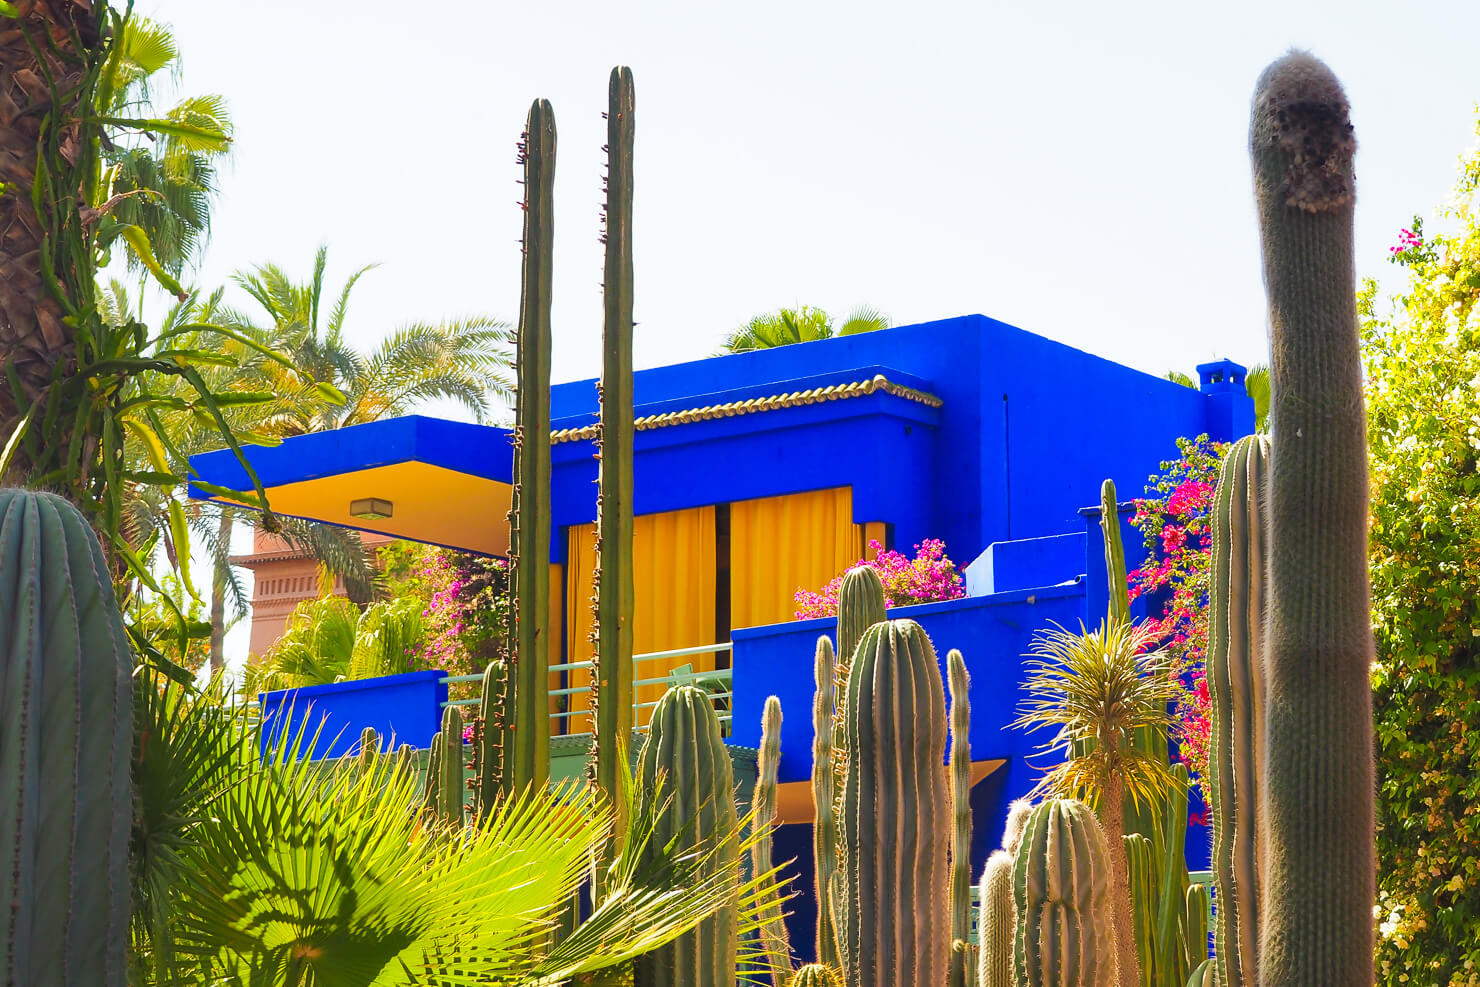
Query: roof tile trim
775	402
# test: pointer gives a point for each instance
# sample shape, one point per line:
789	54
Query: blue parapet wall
403	709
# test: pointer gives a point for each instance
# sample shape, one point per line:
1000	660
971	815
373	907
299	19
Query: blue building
764	472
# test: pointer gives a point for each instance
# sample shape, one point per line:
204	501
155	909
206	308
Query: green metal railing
718	683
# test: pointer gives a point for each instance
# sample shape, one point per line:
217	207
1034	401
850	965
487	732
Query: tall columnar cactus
1235	675
1316	926
1061	894
997	923
66	706
816	975
451	783
763	804
1195	924
824	804
495	739
685	769
1120	598
431	799
529	528
896	842
962	966
612	673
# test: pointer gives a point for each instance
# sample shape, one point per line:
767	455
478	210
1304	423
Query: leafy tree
786	326
1422	353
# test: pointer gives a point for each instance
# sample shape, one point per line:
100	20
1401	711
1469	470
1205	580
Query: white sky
1077	169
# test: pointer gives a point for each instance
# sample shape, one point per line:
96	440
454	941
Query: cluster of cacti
1171	938
774	940
529	516
998	920
1061	897
612	670
962	954
1235	676
66	711
895	860
446	780
684	770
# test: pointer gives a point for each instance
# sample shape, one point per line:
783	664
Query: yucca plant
1098	687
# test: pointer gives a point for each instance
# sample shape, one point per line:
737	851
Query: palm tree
1099	688
786	326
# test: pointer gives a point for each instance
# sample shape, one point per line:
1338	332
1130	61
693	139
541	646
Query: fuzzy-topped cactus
1235	676
774	940
1316	926
1061	890
685	769
815	975
894	828
66	711
997	923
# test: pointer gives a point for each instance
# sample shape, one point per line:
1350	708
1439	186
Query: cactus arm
529	534
1120	598
612	673
960	685
431	787
763	805
1317	925
450	783
494	740
825	830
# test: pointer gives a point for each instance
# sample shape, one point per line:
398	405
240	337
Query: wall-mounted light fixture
370	509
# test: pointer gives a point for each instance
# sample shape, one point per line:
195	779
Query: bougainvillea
927	578
1173	520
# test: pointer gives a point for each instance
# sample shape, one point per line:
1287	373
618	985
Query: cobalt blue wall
404	709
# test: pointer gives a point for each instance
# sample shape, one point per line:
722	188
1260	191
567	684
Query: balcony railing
718	682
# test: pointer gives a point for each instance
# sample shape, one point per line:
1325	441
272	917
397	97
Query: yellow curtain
673	570
781	544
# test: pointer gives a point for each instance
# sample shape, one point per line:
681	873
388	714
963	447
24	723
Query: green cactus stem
1017	821
366	751
529	528
1316	926
824	804
998	920
495	739
451	778
66	735
405	760
1195	925
685	770
612	672
1061	894
763	804
896	850
816	975
1235	676
1120	598
431	799
961	950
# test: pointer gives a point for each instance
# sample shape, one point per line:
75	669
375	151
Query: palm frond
864	318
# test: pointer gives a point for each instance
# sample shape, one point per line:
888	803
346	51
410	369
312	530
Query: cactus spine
1235	675
529	528
1061	893
998	921
895	850
763	804
1316	926
685	769
66	711
494	737
816	975
612	673
961	950
450	777
824	804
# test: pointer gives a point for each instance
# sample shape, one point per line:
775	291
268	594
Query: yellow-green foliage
1422	357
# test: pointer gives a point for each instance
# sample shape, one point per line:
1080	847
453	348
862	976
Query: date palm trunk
46	50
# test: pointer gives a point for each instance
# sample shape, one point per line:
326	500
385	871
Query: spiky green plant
612	671
1098	687
1320	886
998	921
1017	821
962	958
1195	925
1235	676
450	776
897	930
1062	897
1120	599
685	769
495	738
529	515
65	718
816	975
824	803
763	813
368	749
